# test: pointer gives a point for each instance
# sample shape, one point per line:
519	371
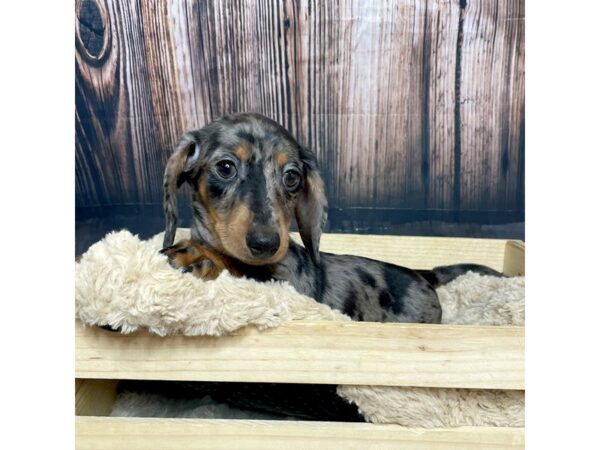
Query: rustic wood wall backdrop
410	105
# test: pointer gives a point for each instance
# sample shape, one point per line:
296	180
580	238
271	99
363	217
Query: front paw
190	257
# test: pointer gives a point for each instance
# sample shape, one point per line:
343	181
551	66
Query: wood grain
171	434
418	252
409	105
95	397
359	353
492	108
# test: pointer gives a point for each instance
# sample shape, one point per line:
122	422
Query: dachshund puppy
249	179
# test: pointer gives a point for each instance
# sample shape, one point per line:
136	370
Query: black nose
262	245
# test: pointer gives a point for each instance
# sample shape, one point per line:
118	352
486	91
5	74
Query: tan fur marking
284	237
230	231
213	216
232	235
233	230
316	184
282	159
242	152
203	190
186	252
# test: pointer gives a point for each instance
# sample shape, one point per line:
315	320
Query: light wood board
315	352
417	252
170	434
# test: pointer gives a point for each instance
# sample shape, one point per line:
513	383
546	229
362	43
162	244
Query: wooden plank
514	258
408	105
492	105
439	96
119	122
383	126
178	434
95	397
417	252
360	353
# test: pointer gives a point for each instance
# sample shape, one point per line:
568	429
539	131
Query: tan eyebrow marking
282	159
242	152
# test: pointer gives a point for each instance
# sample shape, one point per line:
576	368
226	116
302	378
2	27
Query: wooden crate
312	352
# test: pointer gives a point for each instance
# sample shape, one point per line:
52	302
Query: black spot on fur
385	299
430	276
397	279
246	136
350	305
216	187
366	277
254	189
213	145
445	274
398	305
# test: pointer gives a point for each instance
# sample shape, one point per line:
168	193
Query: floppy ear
182	166
311	206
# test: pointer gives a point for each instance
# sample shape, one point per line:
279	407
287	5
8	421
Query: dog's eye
226	169
291	179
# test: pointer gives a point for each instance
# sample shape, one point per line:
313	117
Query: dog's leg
198	260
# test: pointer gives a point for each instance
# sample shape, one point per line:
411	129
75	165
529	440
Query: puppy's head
249	178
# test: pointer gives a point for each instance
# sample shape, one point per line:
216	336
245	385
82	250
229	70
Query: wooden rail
315	352
418	252
170	434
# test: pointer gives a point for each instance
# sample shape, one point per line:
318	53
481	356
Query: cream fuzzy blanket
124	282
